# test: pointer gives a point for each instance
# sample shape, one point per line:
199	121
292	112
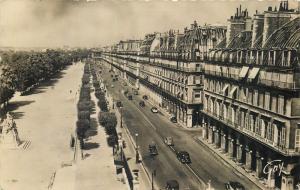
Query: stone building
169	68
241	83
251	95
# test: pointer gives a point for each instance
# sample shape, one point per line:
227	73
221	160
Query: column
239	152
217	138
259	165
204	131
223	142
210	134
271	175
189	122
178	112
248	159
230	146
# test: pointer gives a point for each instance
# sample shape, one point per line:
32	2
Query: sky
57	23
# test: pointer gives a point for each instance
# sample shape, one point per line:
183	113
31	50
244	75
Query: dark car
184	157
145	97
234	185
153	149
119	104
173	119
129	97
142	103
172	185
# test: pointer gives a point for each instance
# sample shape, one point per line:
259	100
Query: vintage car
153	149
184	157
142	103
169	141
172	185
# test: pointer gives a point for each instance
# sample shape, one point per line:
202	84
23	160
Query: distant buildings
240	83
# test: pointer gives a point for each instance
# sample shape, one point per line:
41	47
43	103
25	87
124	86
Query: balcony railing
269	143
280	84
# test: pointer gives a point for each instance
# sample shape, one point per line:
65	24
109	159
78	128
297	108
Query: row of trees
21	70
106	119
84	105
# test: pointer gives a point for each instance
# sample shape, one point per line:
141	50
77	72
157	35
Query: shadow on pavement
90	145
42	87
92	131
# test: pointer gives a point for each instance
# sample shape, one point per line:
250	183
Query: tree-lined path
45	120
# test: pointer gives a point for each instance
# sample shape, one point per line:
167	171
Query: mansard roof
287	36
241	40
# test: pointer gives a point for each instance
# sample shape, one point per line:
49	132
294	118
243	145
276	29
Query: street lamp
152	181
136	149
197	118
121	113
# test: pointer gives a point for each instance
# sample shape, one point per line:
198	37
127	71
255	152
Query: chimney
240	10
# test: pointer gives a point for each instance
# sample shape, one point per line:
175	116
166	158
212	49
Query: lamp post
136	149
121	113
197	118
152	181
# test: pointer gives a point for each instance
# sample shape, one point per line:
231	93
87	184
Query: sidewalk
130	154
97	170
229	162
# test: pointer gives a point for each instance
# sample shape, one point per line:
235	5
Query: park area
45	118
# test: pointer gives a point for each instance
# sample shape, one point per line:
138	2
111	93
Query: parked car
153	149
172	185
154	110
145	97
234	185
169	141
173	119
119	104
124	83
142	103
184	157
112	86
135	92
129	97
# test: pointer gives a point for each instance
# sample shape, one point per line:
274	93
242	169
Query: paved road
152	127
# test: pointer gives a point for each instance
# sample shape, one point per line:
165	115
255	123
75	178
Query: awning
253	73
232	91
244	72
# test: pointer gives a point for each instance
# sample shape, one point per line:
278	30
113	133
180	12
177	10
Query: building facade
251	95
240	83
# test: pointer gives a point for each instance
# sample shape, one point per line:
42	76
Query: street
154	127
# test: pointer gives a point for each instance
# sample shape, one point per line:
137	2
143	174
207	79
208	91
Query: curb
225	161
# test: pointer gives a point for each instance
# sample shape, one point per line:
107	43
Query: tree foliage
23	69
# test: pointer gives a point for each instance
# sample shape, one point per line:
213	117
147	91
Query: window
255	97
297	139
282	136
247	121
274	103
261	99
257	129
242	119
250	97
267	100
281	104
251	123
270	132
